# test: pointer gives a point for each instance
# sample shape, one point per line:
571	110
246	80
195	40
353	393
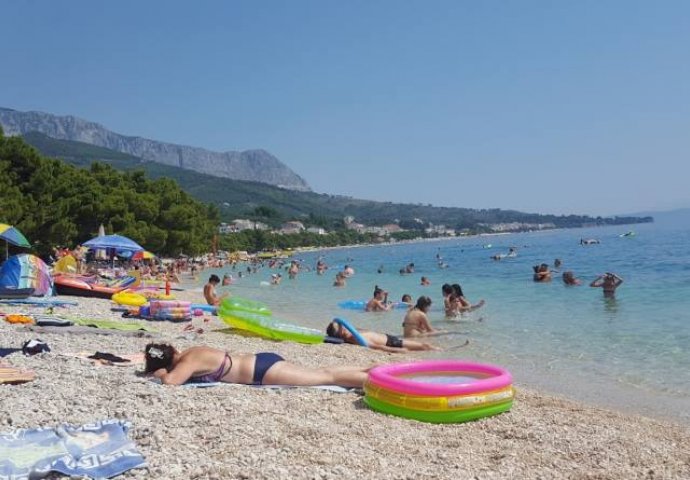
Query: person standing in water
210	294
416	323
609	282
379	302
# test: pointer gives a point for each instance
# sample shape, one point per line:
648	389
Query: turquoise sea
631	353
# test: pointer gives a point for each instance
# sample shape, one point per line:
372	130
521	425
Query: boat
83	286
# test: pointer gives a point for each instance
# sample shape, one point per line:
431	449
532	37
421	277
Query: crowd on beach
207	364
181	358
415	325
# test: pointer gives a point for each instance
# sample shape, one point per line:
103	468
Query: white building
239	224
291	227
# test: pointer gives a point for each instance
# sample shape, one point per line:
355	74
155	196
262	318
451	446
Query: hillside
54	203
237	199
250	165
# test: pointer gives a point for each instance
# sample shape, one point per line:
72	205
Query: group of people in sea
608	281
206	364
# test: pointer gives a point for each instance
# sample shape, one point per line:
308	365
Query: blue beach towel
329	388
96	450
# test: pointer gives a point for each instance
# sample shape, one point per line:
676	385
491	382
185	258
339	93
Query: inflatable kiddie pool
439	391
255	317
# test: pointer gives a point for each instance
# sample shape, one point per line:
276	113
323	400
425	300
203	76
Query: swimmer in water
609	282
570	279
416	323
379	302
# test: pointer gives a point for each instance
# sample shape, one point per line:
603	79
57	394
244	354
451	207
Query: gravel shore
236	431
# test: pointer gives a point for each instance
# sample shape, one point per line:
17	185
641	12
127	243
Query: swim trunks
393	341
264	361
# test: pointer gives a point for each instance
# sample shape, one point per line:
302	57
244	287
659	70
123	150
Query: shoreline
245	432
448	238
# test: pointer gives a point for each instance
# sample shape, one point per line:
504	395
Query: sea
631	353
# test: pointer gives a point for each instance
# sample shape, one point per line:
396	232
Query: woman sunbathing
207	365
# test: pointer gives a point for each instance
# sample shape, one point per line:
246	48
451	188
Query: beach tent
26	271
67	264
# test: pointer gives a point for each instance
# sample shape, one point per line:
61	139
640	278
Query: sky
540	106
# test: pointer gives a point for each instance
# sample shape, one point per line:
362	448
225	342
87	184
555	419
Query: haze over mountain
267	203
250	165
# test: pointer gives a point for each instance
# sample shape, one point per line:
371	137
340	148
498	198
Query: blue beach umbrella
118	242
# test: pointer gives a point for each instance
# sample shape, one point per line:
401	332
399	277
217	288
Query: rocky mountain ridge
250	165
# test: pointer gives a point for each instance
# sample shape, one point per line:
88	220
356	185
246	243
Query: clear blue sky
543	106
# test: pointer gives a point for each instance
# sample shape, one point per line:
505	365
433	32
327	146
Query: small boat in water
627	234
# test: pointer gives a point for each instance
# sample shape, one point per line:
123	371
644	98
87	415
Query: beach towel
12	375
16	318
101	358
8	351
329	388
96	450
39	302
91	331
112	324
51	321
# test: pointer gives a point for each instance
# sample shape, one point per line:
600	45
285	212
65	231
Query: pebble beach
243	432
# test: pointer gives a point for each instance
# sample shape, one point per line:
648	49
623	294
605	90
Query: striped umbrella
12	235
143	255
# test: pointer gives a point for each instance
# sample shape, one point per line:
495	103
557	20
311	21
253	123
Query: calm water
631	353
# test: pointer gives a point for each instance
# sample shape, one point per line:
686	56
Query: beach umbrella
12	235
100	254
118	242
143	255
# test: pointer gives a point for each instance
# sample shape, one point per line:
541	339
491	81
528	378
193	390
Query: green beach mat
112	324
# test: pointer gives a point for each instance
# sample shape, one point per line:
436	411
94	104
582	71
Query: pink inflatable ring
409	378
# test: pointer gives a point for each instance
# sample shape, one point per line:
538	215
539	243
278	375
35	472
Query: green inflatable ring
458	416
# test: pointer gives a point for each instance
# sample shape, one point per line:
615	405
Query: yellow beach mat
12	375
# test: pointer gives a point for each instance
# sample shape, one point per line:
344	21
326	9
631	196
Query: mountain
240	199
250	165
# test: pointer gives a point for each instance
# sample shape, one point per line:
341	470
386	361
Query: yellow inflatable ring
130	299
439	404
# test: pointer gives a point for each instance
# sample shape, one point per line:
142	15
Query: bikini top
215	376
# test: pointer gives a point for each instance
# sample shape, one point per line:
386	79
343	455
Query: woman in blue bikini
207	365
